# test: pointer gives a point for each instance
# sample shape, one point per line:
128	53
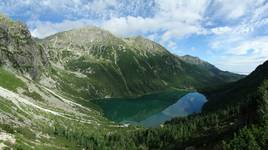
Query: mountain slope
235	117
31	115
212	71
239	91
240	111
18	50
114	67
41	83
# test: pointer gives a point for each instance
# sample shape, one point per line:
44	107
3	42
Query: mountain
237	92
236	113
211	70
91	63
235	117
19	50
109	66
45	83
32	116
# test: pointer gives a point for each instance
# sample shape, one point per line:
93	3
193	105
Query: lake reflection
188	104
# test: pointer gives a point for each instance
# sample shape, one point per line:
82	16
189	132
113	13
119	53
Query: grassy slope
9	81
35	129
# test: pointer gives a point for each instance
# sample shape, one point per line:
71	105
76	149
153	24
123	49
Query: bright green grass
5	106
9	80
35	96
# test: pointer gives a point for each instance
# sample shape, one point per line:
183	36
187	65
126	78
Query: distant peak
190	57
5	22
139	38
89	28
193	60
145	44
85	35
3	17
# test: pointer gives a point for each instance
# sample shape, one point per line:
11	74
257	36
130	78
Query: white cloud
242	46
238	54
221	30
130	25
77	5
256	46
239	64
100	5
69	9
44	29
176	18
234	9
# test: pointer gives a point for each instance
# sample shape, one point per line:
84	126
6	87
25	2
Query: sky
230	34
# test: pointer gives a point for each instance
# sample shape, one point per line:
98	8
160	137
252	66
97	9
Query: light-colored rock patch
6	137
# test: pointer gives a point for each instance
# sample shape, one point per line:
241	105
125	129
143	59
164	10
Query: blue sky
231	34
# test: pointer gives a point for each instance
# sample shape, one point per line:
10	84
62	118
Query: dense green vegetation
9	80
239	126
254	136
234	93
243	126
252	92
236	127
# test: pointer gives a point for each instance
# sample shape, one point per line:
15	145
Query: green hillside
100	65
238	92
47	87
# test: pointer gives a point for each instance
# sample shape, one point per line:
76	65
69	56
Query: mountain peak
139	42
90	30
4	19
89	35
193	60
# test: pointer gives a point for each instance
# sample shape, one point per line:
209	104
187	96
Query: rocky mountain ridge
18	50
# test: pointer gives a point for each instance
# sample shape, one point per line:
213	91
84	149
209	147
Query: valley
89	89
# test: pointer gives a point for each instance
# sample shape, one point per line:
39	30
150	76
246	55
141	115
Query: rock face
100	65
18	50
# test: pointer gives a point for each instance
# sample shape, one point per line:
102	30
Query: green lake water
154	109
138	109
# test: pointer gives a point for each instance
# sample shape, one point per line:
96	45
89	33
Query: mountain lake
153	109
